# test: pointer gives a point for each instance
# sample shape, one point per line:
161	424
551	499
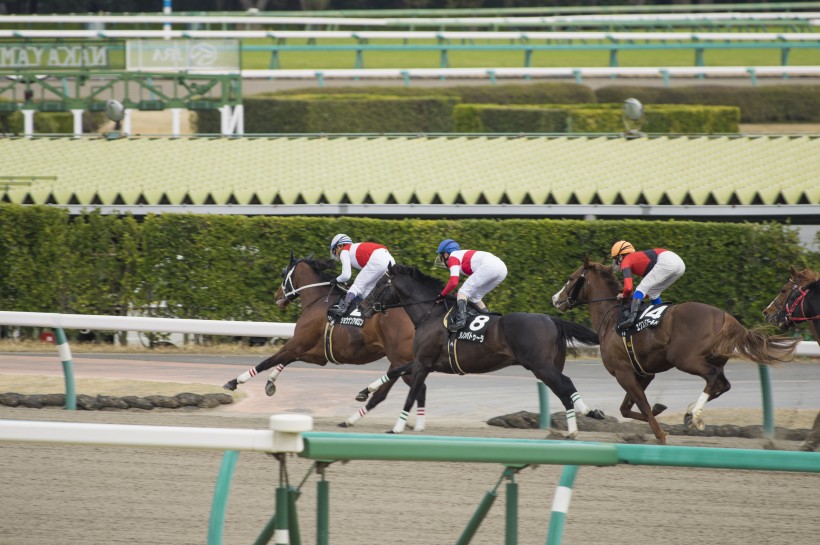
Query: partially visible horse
694	337
317	341
488	343
799	302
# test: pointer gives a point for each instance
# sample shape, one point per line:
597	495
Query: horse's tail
572	332
753	344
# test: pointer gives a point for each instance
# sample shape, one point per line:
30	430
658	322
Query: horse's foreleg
280	360
421	413
380	395
634	387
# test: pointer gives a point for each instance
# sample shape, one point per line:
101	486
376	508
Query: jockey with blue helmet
371	258
484	271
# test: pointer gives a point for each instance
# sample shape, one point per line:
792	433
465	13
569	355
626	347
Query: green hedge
340	114
592	118
51	122
228	267
765	104
381	109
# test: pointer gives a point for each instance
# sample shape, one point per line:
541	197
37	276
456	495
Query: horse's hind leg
419	376
377	384
562	386
716	384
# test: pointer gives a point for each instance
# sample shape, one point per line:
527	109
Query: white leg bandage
276	370
401	423
373	386
420	419
246	376
355	417
572	424
578	404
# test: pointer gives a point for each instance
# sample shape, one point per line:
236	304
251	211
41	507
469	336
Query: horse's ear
389	268
291	257
794	271
586	261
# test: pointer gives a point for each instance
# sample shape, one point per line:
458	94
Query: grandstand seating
420	170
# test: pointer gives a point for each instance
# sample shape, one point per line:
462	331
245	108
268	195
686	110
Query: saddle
649	315
470	323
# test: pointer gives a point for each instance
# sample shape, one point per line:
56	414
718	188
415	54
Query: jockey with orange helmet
370	257
659	267
483	270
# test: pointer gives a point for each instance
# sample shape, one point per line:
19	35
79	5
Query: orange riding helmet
621	247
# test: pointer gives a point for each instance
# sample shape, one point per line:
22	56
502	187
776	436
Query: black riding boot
337	311
633	313
460	317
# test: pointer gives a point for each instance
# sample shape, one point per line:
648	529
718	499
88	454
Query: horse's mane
320	266
607	274
416	274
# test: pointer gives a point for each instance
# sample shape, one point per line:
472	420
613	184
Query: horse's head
297	275
590	281
780	309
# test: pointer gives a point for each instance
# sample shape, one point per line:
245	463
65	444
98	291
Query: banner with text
182	55
44	55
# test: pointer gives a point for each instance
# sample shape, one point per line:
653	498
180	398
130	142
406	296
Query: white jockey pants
668	268
371	272
489	274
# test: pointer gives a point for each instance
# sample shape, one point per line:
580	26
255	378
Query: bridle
799	294
291	292
572	296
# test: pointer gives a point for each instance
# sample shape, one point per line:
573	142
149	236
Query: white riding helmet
339	240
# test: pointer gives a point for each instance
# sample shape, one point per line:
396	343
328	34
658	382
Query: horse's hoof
363	395
687	421
231	385
658	408
270	388
391	432
806	447
597	414
344	425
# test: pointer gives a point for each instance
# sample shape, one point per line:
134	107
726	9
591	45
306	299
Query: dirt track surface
108	495
64	495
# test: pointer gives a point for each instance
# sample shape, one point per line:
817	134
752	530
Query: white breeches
491	273
669	268
371	273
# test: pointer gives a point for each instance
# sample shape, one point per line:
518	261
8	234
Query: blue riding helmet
448	245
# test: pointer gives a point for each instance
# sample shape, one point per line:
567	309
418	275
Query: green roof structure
417	175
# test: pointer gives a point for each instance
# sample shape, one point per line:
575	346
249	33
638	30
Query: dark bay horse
799	302
536	342
696	338
314	341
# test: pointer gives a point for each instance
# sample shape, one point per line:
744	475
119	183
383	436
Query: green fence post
322	510
477	518
543	407
577	74
752	75
406	76
768	409
223	486
511	524
68	369
293	518
281	534
560	505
